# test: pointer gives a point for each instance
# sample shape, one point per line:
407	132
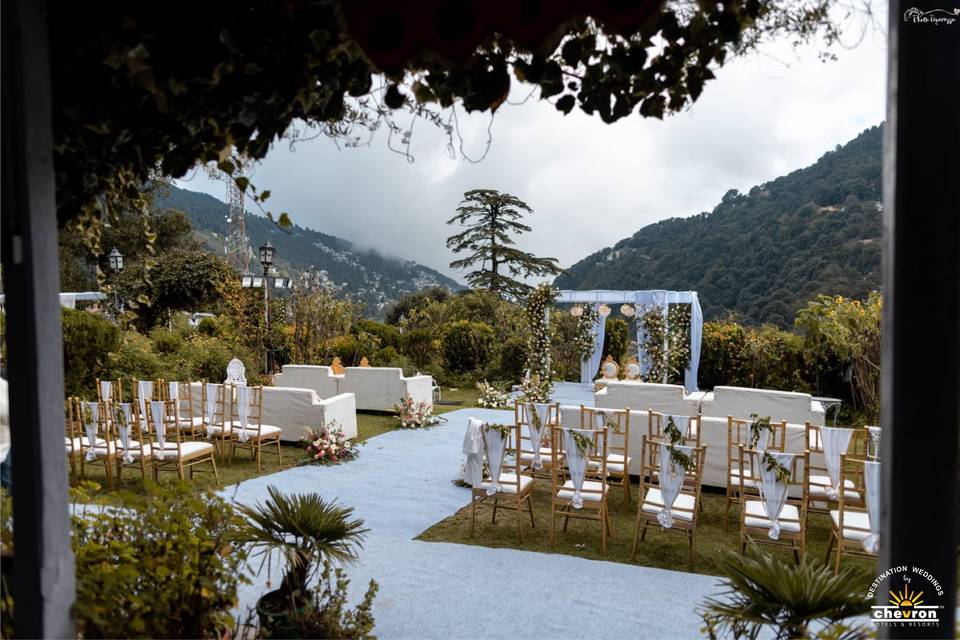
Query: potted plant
308	532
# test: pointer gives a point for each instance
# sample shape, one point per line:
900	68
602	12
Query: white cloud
590	184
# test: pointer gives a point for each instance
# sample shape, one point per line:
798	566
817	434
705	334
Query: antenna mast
236	244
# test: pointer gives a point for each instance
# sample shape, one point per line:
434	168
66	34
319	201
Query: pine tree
492	219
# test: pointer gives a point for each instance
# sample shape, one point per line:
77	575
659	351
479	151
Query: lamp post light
266	260
115	262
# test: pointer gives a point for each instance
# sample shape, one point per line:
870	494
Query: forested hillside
764	254
367	276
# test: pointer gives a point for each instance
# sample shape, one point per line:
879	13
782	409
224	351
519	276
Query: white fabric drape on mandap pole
644	299
590	366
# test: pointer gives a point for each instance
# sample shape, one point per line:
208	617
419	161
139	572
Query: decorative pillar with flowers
537	314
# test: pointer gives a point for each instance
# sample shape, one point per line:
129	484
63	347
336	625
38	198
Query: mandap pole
920	394
43	581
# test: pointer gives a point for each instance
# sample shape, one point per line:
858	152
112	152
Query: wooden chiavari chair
248	431
686	507
179	455
739	433
134	448
190	419
591	501
850	521
530	417
657	422
617	424
755	523
97	446
73	438
109	390
820	485
511	486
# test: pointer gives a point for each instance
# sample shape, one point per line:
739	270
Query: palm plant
768	592
307	530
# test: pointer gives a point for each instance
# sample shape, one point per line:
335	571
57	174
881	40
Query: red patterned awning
391	32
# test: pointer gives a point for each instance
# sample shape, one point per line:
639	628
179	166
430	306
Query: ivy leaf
242	182
393	98
226	166
566	104
284	221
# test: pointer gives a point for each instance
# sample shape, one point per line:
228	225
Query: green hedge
88	341
467	346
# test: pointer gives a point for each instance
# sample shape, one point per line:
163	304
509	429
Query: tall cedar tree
491	219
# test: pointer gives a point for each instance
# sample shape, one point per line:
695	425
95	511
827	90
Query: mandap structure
641	302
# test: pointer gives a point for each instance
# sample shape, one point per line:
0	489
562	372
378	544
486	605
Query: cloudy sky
589	184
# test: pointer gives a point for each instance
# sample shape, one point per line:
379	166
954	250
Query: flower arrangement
492	396
413	415
328	444
538	362
666	341
757	427
583	339
584	444
672	431
535	390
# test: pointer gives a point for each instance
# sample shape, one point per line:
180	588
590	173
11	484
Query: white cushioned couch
320	379
740	402
713	436
375	388
380	388
666	398
292	409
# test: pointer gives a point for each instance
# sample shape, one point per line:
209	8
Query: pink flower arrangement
414	414
328	445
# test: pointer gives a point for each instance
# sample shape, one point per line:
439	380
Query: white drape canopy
645	299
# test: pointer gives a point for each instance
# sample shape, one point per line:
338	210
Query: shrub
467	346
135	358
418	344
163	566
208	327
87	341
509	358
389	336
723	355
166	341
616	338
386	357
346	348
327	615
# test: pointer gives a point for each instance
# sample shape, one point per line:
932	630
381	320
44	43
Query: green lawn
666	550
369	425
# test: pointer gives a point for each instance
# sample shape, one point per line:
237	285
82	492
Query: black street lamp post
115	262
266	260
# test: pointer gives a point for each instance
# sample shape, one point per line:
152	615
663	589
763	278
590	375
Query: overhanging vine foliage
143	89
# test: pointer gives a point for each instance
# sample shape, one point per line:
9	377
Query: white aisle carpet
401	485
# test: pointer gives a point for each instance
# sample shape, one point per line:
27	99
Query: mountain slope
365	275
762	255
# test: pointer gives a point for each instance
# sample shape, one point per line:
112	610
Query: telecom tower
236	245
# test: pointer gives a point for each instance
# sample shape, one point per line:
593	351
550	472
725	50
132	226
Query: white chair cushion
653	503
186	423
510	488
78	442
818	487
187	449
266	430
614	463
858	519
566	493
756	517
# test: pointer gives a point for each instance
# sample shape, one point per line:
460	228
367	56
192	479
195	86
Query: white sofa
633	394
713	437
320	379
292	409
380	388
741	402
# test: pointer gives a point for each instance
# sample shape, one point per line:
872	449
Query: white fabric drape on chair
473	450
671	481
156	410
835	441
536	415
576	462
871	473
495	444
174	391
144	393
682	422
91	418
105	387
874	444
772	492
212	389
590	366
124	409
243	411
